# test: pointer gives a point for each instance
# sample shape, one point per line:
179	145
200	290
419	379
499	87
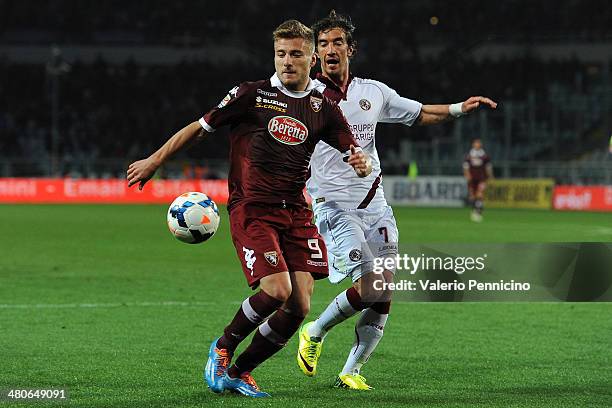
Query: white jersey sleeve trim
206	126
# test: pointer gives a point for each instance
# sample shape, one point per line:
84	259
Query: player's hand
360	162
474	102
141	171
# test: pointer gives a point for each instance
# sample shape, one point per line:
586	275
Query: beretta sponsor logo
287	130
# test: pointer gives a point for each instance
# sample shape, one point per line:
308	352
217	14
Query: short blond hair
294	29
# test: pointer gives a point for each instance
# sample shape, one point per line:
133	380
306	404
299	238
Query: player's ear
313	59
351	51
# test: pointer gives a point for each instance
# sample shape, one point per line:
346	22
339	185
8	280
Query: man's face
334	51
293	59
476	144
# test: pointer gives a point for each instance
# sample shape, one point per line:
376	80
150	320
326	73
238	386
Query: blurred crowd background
89	86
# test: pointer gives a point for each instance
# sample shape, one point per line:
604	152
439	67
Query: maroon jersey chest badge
287	130
316	103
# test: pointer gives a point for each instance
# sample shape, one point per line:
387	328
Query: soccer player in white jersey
351	211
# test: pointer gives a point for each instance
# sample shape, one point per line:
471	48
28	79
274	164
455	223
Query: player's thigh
257	242
481	187
382	234
303	247
345	239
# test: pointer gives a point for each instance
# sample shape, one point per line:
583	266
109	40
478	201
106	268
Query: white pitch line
104	305
207	304
112	305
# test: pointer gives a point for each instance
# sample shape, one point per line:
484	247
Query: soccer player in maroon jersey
275	125
477	169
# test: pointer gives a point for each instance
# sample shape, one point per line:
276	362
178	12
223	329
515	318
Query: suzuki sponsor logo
287	130
270	104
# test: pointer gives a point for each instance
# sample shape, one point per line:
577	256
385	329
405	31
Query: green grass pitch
103	301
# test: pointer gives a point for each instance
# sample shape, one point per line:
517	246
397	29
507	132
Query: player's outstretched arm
141	171
361	162
433	114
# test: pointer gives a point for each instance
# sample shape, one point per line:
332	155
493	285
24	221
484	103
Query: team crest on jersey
355	255
316	103
365	104
231	94
287	130
271	257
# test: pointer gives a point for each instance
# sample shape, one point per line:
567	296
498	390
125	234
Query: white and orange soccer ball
193	218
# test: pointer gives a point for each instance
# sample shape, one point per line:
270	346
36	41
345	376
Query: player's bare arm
361	162
434	114
141	171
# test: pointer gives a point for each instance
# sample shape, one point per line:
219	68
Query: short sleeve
231	108
337	133
397	109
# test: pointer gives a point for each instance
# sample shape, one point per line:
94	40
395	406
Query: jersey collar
276	82
337	92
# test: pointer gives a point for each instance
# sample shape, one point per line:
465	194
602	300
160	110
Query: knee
371	290
281	291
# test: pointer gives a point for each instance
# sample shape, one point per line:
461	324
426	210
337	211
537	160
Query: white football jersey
367	103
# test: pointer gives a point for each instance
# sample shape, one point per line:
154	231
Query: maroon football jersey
273	133
476	162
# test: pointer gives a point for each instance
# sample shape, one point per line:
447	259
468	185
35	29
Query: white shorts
355	237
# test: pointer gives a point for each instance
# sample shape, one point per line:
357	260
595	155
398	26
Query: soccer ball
193	218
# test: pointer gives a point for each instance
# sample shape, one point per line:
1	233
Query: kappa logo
365	104
271	257
249	259
287	130
266	93
231	94
316	103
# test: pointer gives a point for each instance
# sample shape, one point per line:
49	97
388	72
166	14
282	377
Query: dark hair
294	29
334	20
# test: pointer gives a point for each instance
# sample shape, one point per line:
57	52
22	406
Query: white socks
338	311
368	332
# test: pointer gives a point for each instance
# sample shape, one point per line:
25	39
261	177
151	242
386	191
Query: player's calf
369	330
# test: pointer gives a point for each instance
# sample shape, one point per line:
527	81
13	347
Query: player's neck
341	79
301	87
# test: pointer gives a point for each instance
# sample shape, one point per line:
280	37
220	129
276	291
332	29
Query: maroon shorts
477	185
270	240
